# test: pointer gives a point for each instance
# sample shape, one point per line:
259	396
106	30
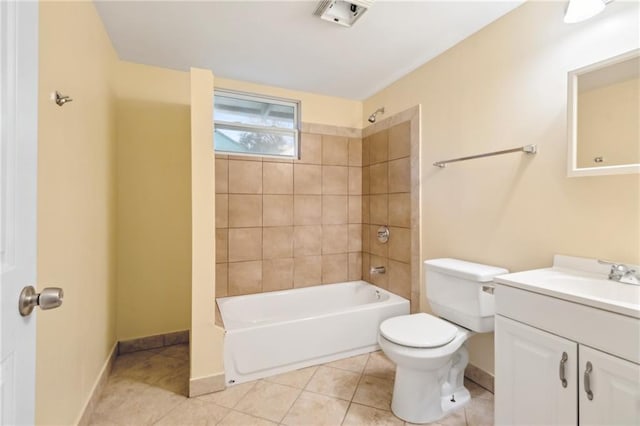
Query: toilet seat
418	331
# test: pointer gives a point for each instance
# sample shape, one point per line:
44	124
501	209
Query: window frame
295	132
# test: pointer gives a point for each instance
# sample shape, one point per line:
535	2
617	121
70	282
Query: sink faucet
622	273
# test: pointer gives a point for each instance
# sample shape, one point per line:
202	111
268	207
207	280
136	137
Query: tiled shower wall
386	188
290	223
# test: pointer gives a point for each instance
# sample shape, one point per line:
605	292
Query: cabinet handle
587	380
563	362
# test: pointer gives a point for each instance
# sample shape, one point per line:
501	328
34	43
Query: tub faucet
622	273
377	270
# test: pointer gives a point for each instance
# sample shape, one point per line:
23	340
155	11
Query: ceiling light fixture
581	10
342	12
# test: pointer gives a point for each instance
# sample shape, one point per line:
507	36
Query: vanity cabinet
540	379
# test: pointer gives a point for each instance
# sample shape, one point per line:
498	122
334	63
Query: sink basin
581	281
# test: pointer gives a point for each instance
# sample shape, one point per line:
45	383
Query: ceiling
281	43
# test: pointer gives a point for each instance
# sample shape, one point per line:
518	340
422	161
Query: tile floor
149	388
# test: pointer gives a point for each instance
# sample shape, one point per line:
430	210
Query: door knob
49	298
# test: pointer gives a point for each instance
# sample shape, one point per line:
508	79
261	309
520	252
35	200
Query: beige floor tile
477	391
360	415
374	392
235	418
297	379
174	351
193	412
479	412
100	420
126	362
312	409
269	401
128	402
379	365
334	382
457	418
354	363
230	396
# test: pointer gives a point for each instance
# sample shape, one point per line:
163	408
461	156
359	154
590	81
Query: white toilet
429	352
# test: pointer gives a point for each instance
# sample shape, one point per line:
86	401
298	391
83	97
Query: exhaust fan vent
341	12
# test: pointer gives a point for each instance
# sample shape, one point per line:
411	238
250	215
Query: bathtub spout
377	270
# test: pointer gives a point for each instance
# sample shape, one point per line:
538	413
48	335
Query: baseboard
204	385
480	377
98	387
153	342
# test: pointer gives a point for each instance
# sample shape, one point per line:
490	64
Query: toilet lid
418	331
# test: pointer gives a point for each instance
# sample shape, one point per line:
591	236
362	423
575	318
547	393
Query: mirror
604	117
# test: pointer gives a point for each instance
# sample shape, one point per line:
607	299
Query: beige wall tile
307	271
400	175
277	242
307	179
366	209
221	156
245	210
379	178
366	264
245	277
335	151
355	152
222	270
335	180
222	176
400	210
355	266
400	140
355	180
335	209
311	149
334	268
335	239
400	244
379	213
366	151
222	245
245	177
400	278
307	240
277	210
307	210
355	209
375	246
366	238
381	280
277	274
245	244
222	211
366	180
355	238
277	178
245	157
379	147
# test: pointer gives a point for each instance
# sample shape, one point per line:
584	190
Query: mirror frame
572	123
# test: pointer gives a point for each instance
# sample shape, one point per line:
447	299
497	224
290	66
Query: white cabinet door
529	386
615	389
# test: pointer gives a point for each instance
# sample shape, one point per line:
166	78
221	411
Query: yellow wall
503	87
76	208
154	201
318	109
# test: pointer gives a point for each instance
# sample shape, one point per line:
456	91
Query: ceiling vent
345	13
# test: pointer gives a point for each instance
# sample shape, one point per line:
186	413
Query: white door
614	386
535	382
18	163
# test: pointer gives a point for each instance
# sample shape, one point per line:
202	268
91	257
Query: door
609	389
535	376
18	163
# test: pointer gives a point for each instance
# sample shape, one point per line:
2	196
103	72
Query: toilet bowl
429	352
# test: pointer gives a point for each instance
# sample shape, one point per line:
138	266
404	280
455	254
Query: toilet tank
454	291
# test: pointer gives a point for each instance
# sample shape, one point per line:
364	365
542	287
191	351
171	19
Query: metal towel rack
528	149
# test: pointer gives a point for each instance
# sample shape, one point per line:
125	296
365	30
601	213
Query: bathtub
275	332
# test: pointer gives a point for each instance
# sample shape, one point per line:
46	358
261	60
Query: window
248	124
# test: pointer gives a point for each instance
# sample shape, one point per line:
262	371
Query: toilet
429	351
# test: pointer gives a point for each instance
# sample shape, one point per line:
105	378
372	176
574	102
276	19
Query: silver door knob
49	298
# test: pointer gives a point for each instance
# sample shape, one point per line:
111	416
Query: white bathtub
271	333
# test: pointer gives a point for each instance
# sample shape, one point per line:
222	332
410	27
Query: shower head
372	117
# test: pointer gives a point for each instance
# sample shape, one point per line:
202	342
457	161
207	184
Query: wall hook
60	99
